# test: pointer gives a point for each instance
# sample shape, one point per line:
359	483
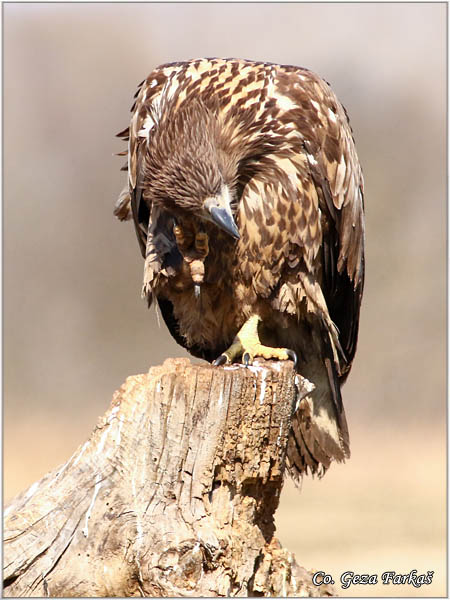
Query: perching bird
247	197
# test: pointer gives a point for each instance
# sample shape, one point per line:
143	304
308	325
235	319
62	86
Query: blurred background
75	326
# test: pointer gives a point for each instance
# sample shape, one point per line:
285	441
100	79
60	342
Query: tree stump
174	493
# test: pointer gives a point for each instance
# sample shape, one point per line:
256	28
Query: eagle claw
221	360
292	355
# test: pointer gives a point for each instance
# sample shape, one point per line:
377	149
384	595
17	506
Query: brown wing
337	175
320	432
143	118
147	92
301	219
153	228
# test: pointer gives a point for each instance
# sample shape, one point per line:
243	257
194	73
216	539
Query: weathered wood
174	493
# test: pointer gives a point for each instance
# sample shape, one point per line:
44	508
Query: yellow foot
247	344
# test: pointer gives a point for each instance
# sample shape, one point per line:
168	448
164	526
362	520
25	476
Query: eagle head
188	168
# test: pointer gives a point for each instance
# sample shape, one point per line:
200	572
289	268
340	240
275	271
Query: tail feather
319	432
300	458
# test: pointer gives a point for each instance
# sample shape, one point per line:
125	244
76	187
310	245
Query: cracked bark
174	494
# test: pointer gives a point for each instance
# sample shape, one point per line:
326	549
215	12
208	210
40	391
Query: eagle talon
246	359
292	355
221	360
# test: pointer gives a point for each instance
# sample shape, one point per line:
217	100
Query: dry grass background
75	327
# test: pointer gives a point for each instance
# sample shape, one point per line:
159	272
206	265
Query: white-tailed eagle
247	197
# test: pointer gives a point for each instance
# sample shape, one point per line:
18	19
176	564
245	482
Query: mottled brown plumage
216	145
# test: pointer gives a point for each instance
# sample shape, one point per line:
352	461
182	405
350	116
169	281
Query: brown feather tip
122	208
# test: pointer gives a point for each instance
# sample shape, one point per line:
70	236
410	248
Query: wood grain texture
174	493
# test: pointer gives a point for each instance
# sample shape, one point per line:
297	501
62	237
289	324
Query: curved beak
218	211
224	219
